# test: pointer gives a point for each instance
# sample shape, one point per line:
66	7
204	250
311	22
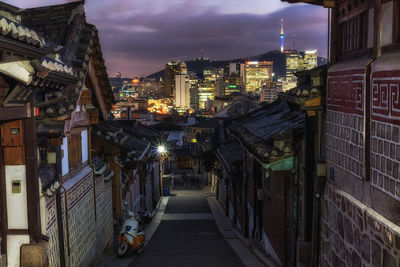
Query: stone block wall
345	121
385	132
80	214
53	250
354	235
104	213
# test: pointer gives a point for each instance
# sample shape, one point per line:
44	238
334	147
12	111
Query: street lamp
161	149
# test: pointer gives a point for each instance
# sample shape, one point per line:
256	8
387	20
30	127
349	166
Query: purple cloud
139	36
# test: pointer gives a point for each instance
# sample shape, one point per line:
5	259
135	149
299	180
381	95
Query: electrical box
16	186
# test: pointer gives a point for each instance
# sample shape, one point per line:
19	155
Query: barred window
354	33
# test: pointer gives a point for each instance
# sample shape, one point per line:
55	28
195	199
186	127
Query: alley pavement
187	234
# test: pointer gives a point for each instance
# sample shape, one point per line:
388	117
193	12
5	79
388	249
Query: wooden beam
32	180
396	21
13	113
97	89
23	49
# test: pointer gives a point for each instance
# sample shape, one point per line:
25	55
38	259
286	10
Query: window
354	33
74	150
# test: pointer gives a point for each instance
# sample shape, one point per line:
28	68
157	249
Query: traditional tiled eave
23	49
230	155
269	133
133	149
309	95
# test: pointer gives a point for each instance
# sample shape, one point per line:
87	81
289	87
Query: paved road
187	235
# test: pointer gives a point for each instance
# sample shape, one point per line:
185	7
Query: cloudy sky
139	36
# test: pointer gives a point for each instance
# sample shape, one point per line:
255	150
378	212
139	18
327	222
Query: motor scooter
131	236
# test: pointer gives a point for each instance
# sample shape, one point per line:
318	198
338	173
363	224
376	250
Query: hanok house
137	180
360	218
55	209
309	97
271	139
230	182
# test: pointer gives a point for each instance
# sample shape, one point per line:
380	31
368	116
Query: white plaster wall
16	203
14	243
371	28
64	160
85	153
387	24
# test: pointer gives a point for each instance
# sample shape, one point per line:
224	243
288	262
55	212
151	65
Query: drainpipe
58	209
295	204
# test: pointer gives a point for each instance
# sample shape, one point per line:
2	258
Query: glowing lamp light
161	149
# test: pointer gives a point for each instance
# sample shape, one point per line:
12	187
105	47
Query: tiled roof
16	31
65	27
311	83
132	147
230	153
55	64
269	132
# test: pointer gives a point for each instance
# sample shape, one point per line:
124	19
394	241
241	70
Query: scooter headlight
128	228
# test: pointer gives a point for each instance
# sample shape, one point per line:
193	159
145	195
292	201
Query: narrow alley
189	234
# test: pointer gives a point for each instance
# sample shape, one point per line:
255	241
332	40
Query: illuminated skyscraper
257	73
206	92
282	36
171	69
182	92
310	60
194	91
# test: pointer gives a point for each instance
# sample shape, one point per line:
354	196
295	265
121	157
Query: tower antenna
294	41
282	36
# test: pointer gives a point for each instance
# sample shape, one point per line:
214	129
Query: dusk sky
139	36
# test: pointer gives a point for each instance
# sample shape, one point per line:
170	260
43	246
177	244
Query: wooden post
32	182
3	213
59	210
334	35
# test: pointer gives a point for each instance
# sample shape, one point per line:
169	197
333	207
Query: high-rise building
183	68
182	92
310	60
233	79
171	69
194	91
206	92
297	61
256	73
270	92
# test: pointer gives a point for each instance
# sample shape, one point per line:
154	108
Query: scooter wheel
123	248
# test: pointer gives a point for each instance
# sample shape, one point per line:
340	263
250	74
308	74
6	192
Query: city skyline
139	38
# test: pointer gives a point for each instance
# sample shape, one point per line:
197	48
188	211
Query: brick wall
80	215
345	122
354	235
104	213
385	128
53	250
356	229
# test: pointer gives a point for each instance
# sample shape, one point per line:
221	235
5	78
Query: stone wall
385	128
354	235
104	214
53	250
345	121
80	215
